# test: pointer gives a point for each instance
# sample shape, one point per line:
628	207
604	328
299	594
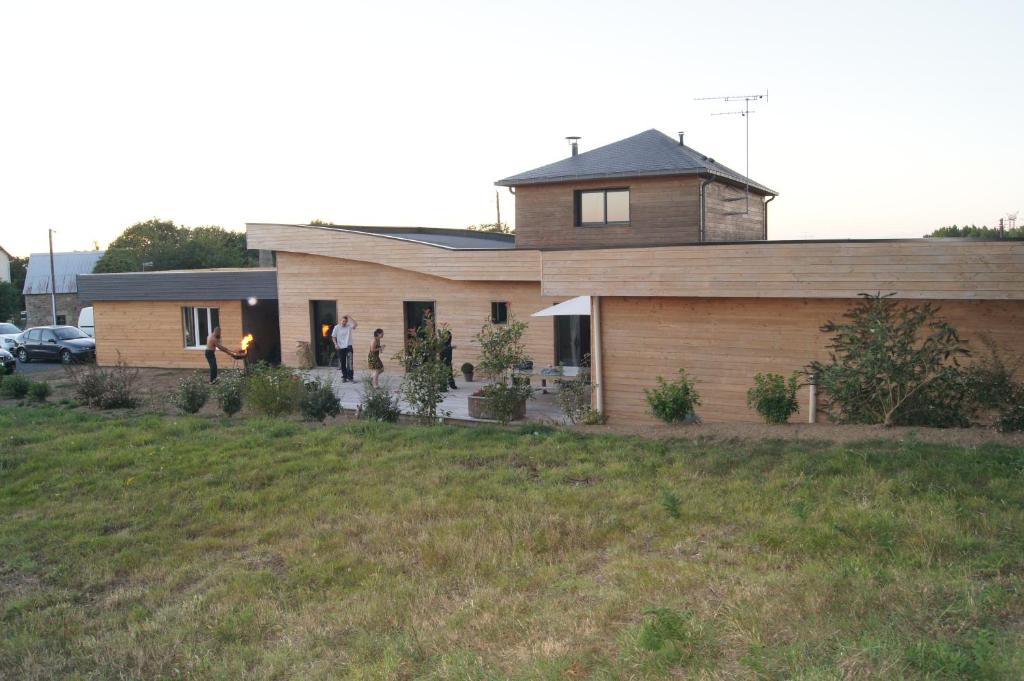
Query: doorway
414	310
261	319
572	340
323	315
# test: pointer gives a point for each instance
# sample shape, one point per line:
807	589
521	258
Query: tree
19	270
502	228
171	247
10	301
975	232
895	365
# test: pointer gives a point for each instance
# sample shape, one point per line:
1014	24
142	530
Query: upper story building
648	189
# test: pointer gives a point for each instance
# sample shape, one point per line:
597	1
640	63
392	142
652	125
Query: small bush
229	390
319	401
274	390
593	417
191	393
378	403
674	639
673	401
672	504
573	397
38	392
15	386
774	397
104	388
1011	414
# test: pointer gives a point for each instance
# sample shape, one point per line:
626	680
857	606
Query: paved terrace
541	408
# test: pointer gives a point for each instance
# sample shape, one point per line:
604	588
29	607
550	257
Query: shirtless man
212	345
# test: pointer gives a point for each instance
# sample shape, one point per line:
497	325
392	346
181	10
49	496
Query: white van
85	322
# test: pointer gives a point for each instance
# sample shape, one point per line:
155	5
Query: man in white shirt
342	336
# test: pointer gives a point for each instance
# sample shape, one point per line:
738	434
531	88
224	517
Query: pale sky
884	119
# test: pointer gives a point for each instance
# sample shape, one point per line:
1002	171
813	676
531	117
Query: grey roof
66	266
650	153
451	239
214	284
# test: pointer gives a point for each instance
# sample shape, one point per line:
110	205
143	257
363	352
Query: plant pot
467	377
478	409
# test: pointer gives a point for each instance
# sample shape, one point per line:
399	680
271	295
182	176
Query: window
602	207
499	313
197	323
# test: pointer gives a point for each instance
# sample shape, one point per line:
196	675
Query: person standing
373	360
446	355
342	336
213	343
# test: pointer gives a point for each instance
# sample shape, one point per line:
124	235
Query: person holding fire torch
213	344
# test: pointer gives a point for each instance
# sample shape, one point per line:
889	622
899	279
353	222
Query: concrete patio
541	408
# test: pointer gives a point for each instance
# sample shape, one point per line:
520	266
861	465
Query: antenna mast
745	112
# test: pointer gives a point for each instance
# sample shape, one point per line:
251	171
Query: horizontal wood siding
727	217
476	265
722	343
374	296
661	210
149	333
934	268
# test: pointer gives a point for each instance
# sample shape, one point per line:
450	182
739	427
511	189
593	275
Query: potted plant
501	353
467	372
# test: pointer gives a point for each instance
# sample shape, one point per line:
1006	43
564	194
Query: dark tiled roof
649	153
455	239
215	284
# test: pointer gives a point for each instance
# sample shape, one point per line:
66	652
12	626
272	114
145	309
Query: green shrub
229	391
573	397
15	386
467	368
672	504
319	401
274	390
39	391
593	417
673	401
1011	414
426	376
774	397
191	393
377	403
895	365
672	639
104	388
501	352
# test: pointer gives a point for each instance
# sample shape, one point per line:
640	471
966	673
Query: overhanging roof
651	153
212	284
442	237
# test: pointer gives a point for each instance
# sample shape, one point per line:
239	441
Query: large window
197	323
602	207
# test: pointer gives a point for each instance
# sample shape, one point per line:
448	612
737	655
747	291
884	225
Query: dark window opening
499	313
323	316
572	340
61	320
602	207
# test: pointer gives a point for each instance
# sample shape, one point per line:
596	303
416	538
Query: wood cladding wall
374	295
149	333
925	268
727	217
661	210
722	343
474	265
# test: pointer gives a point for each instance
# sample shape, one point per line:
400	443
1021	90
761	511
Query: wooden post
497	205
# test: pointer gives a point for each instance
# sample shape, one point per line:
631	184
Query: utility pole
497	205
53	283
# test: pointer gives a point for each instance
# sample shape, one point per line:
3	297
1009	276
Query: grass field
158	547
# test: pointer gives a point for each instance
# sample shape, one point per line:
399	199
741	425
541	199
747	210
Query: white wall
5	267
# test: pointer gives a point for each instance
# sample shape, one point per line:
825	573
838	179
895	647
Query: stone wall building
66	268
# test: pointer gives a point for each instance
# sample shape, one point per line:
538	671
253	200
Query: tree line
975	232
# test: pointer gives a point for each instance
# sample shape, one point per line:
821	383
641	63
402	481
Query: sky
883	119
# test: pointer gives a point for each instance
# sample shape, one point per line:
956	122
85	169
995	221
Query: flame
325	330
246	340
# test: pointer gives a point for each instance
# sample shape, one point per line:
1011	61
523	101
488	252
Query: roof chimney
681	133
573	145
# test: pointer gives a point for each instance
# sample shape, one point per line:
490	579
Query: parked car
65	344
8	336
7	362
85	322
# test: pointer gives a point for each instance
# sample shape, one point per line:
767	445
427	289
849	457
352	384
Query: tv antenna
745	112
1011	219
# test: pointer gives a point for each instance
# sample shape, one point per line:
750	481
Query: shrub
274	390
895	365
774	397
467	368
672	504
593	417
673	401
38	392
1011	414
377	403
16	386
991	378
319	401
426	376
104	388
573	397
191	393
229	391
501	352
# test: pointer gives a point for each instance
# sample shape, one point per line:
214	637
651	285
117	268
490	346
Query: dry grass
157	547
